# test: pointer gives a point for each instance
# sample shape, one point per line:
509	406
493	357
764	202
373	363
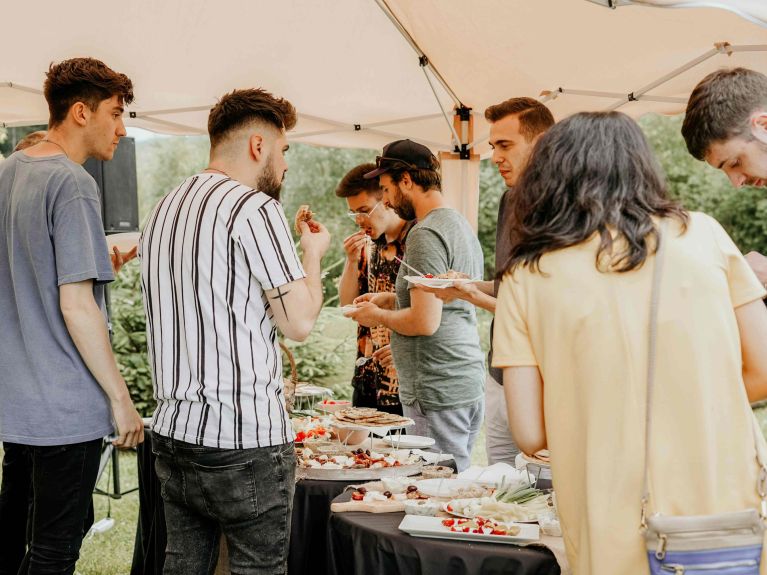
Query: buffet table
364	543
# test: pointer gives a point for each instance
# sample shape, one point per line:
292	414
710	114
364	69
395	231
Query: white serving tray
431	527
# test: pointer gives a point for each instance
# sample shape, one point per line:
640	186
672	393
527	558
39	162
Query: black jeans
246	494
61	478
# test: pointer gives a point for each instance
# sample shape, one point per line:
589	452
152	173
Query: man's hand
383	356
315	238
353	245
758	263
366	314
464	290
130	427
119	259
384	300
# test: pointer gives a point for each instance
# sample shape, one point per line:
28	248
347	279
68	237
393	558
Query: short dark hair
428	179
242	107
85	80
534	117
720	107
591	174
354	183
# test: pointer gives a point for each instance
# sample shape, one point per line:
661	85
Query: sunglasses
365	215
396	161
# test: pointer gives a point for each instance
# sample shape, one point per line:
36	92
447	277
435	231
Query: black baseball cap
402	154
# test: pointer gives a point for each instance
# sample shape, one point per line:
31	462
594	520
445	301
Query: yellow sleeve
511	339
745	287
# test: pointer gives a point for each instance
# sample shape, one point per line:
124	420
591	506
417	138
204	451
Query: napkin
494	474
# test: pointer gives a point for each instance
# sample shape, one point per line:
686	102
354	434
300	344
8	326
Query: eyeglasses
355	215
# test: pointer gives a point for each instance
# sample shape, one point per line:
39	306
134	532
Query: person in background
220	275
572	336
435	345
516	125
726	125
61	387
372	263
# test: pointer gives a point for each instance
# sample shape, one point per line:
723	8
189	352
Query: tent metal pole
144	113
421	54
599	94
456	138
719	48
174	125
361	127
427	143
19	87
705	4
403	120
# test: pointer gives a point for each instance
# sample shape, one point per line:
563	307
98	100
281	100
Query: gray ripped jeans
245	494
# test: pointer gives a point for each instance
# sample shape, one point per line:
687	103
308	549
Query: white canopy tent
365	72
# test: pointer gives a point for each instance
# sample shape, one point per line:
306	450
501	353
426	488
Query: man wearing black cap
435	345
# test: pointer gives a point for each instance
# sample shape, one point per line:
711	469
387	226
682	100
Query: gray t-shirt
51	234
445	370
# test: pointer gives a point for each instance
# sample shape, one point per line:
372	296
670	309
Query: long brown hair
591	173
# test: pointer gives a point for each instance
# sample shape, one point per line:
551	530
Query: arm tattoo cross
281	296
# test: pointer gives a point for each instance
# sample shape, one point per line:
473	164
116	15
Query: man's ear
256	146
759	126
406	181
80	113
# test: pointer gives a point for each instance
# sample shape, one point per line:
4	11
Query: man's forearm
483	300
404	322
313	269
348	286
89	333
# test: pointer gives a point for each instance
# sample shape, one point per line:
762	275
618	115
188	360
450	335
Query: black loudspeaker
116	180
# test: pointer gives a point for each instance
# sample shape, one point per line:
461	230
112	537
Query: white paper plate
347	309
125	242
432	527
438	282
409	441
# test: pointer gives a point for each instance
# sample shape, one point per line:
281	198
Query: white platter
462	503
358	474
409	441
443	487
432	528
438	282
379	430
309	390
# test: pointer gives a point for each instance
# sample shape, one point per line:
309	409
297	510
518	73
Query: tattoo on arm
281	296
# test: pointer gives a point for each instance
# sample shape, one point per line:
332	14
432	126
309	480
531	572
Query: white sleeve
265	239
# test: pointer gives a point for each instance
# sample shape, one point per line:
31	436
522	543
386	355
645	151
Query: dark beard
268	184
405	209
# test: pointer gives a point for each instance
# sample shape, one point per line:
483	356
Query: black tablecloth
366	543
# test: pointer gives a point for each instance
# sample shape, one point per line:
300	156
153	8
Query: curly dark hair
84	80
720	108
592	173
241	107
354	183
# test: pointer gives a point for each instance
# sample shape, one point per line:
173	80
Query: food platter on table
440	528
357	464
371	419
310	390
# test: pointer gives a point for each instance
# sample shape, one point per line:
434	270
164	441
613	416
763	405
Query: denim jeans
454	430
62	479
246	494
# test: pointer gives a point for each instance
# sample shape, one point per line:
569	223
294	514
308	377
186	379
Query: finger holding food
304	214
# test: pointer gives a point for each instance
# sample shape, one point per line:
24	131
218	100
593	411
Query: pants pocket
228	491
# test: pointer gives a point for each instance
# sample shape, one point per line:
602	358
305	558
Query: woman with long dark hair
572	336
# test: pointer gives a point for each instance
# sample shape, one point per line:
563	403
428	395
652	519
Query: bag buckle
660	551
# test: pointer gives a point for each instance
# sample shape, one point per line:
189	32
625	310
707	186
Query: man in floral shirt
371	267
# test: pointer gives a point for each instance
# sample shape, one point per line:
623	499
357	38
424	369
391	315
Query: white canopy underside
354	77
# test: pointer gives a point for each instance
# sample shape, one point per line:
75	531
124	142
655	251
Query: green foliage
129	340
491	188
163	163
702	188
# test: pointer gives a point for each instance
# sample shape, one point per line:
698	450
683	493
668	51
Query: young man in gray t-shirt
60	388
435	345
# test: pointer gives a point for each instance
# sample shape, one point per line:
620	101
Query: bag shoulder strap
651	360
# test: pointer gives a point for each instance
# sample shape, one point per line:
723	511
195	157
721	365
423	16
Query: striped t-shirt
210	249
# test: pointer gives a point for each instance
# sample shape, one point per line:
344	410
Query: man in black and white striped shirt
220	275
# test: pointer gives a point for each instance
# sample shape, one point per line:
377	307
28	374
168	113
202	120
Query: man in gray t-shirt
60	388
435	346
